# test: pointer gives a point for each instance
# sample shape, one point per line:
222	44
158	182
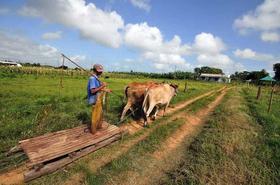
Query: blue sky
143	35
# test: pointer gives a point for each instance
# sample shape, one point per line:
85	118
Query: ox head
175	88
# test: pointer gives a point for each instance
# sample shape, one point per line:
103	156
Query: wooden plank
61	150
51	167
49	135
69	140
52	138
38	155
42	149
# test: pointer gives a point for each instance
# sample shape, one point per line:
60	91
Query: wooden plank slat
50	146
65	146
58	133
53	138
61	150
70	140
51	167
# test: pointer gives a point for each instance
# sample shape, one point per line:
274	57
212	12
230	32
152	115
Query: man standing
95	85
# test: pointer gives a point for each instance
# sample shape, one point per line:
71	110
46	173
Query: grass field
32	105
239	145
131	160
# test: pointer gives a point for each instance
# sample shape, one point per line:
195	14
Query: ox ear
175	86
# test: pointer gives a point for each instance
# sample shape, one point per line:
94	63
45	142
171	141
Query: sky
143	35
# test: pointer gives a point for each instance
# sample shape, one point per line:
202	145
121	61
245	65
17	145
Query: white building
9	63
215	77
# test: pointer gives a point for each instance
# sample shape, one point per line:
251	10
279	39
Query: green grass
269	150
132	160
32	105
161	130
233	147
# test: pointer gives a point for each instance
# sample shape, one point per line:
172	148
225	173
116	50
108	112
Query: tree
240	76
276	69
63	67
257	75
206	69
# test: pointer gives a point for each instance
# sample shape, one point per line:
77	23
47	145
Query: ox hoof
146	126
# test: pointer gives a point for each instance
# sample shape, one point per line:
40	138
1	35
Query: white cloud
4	10
143	37
149	41
93	23
168	55
265	18
253	55
208	44
270	36
209	50
52	35
20	48
78	58
246	53
142	4
107	28
219	60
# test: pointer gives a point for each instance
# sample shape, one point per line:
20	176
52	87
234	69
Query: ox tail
125	93
145	104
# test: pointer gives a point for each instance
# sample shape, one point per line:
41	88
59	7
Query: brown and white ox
134	92
157	97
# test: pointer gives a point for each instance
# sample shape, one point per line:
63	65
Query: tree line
253	76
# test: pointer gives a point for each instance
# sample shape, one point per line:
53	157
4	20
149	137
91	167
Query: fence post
186	87
259	93
270	99
97	113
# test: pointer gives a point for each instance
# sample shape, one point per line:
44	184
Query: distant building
214	78
9	63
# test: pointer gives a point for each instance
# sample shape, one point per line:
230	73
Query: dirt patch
13	177
168	155
191	124
75	179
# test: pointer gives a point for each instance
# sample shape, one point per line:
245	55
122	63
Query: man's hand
104	84
107	90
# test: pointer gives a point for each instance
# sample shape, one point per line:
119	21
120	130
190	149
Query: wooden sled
49	152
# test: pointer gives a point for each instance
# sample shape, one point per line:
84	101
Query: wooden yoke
97	113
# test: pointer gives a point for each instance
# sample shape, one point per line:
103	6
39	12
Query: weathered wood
97	113
57	152
51	167
15	149
270	99
42	149
186	87
259	92
57	134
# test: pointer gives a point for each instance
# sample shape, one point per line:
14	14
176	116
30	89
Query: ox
156	97
134	93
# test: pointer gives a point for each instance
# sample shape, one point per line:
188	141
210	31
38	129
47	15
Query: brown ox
156	97
134	93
